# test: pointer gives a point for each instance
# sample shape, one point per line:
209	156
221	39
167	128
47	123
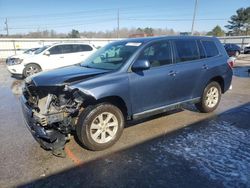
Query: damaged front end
51	114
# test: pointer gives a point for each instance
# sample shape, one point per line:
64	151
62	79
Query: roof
148	39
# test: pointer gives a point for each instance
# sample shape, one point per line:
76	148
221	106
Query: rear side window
81	48
186	50
67	49
210	48
157	54
61	49
84	48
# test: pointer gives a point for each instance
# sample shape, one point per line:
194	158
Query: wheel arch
33	63
117	101
220	81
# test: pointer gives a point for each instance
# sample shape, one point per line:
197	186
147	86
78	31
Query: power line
70	13
59	14
174	20
62	26
78	21
92	17
124	10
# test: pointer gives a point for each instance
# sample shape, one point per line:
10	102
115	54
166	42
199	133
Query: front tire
210	98
31	69
100	126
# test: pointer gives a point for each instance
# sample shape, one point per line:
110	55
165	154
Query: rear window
210	48
186	50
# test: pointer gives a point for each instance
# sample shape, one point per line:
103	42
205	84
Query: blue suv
125	80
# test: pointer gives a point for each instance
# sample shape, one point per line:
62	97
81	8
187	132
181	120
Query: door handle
172	73
82	55
61	57
205	67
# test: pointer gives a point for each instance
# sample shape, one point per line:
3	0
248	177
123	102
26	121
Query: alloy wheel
104	127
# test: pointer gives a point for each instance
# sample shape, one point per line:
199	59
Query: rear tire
100	126
210	98
31	69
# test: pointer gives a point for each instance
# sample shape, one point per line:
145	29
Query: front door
153	88
55	59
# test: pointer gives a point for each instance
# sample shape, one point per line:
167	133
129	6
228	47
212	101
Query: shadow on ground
211	153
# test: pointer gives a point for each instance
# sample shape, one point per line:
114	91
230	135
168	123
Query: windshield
111	56
39	50
29	51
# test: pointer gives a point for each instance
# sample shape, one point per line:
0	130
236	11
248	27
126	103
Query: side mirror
47	53
140	65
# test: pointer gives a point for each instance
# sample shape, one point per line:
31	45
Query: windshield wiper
86	66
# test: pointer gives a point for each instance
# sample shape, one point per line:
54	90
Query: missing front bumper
49	139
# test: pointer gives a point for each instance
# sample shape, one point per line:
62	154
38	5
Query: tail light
231	62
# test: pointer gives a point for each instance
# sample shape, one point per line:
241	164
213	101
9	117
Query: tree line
238	24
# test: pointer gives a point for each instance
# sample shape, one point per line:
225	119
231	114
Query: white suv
50	57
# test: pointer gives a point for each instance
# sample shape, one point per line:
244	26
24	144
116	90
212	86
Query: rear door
189	69
76	53
69	55
153	88
84	51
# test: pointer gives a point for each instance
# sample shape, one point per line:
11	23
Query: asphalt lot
178	149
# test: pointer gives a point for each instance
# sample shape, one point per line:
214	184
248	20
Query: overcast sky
100	15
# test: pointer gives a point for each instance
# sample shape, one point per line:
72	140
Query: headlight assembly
16	61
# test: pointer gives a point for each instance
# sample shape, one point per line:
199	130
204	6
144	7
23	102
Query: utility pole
6	26
195	10
118	23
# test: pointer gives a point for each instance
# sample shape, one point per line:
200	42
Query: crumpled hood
64	75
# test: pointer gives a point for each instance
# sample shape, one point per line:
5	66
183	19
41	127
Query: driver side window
158	54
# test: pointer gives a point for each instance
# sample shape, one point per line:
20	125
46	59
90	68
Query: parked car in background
50	57
14	63
232	49
14	58
129	79
247	50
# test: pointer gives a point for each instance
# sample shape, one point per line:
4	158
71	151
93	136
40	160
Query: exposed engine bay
55	111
